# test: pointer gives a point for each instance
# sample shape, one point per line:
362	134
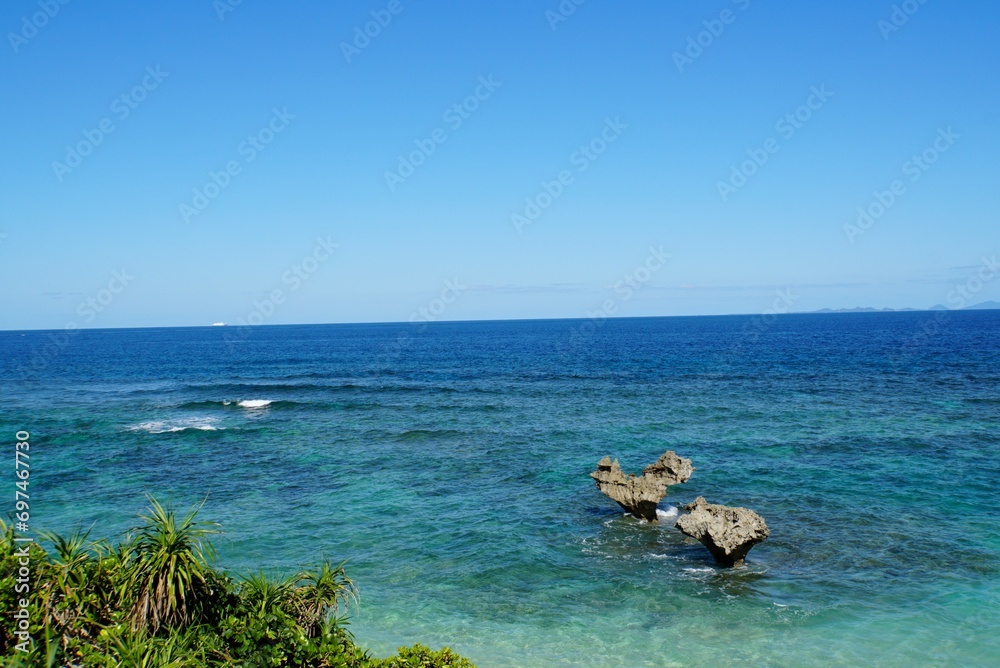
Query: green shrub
155	600
419	656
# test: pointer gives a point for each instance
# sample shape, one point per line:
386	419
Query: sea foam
671	511
171	426
254	403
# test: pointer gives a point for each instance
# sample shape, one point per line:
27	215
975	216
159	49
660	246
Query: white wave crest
671	511
254	403
172	426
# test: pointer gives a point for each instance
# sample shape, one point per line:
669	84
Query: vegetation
155	600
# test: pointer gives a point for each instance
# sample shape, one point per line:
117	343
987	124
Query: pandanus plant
66	594
313	599
320	597
143	651
170	568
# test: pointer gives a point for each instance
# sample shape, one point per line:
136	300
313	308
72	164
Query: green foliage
419	656
154	600
321	596
171	560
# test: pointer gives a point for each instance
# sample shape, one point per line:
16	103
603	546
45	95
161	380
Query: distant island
983	306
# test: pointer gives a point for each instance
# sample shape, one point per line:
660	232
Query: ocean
448	464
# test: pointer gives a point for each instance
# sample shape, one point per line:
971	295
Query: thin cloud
522	289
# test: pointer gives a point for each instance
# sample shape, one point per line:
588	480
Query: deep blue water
448	463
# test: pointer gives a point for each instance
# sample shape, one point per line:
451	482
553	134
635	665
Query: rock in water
640	494
670	469
728	533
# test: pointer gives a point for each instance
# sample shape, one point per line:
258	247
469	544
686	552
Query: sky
191	162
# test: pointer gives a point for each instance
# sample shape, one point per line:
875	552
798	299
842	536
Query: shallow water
449	465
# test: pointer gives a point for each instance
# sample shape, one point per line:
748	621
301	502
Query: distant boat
218	324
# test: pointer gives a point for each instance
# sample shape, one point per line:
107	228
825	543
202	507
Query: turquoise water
448	464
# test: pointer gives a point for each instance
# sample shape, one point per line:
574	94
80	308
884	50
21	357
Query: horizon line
820	312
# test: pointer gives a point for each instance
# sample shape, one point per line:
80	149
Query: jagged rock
727	532
640	494
670	469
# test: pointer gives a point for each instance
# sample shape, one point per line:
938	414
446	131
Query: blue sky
309	129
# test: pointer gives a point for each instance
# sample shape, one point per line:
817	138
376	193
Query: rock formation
640	494
727	532
670	469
